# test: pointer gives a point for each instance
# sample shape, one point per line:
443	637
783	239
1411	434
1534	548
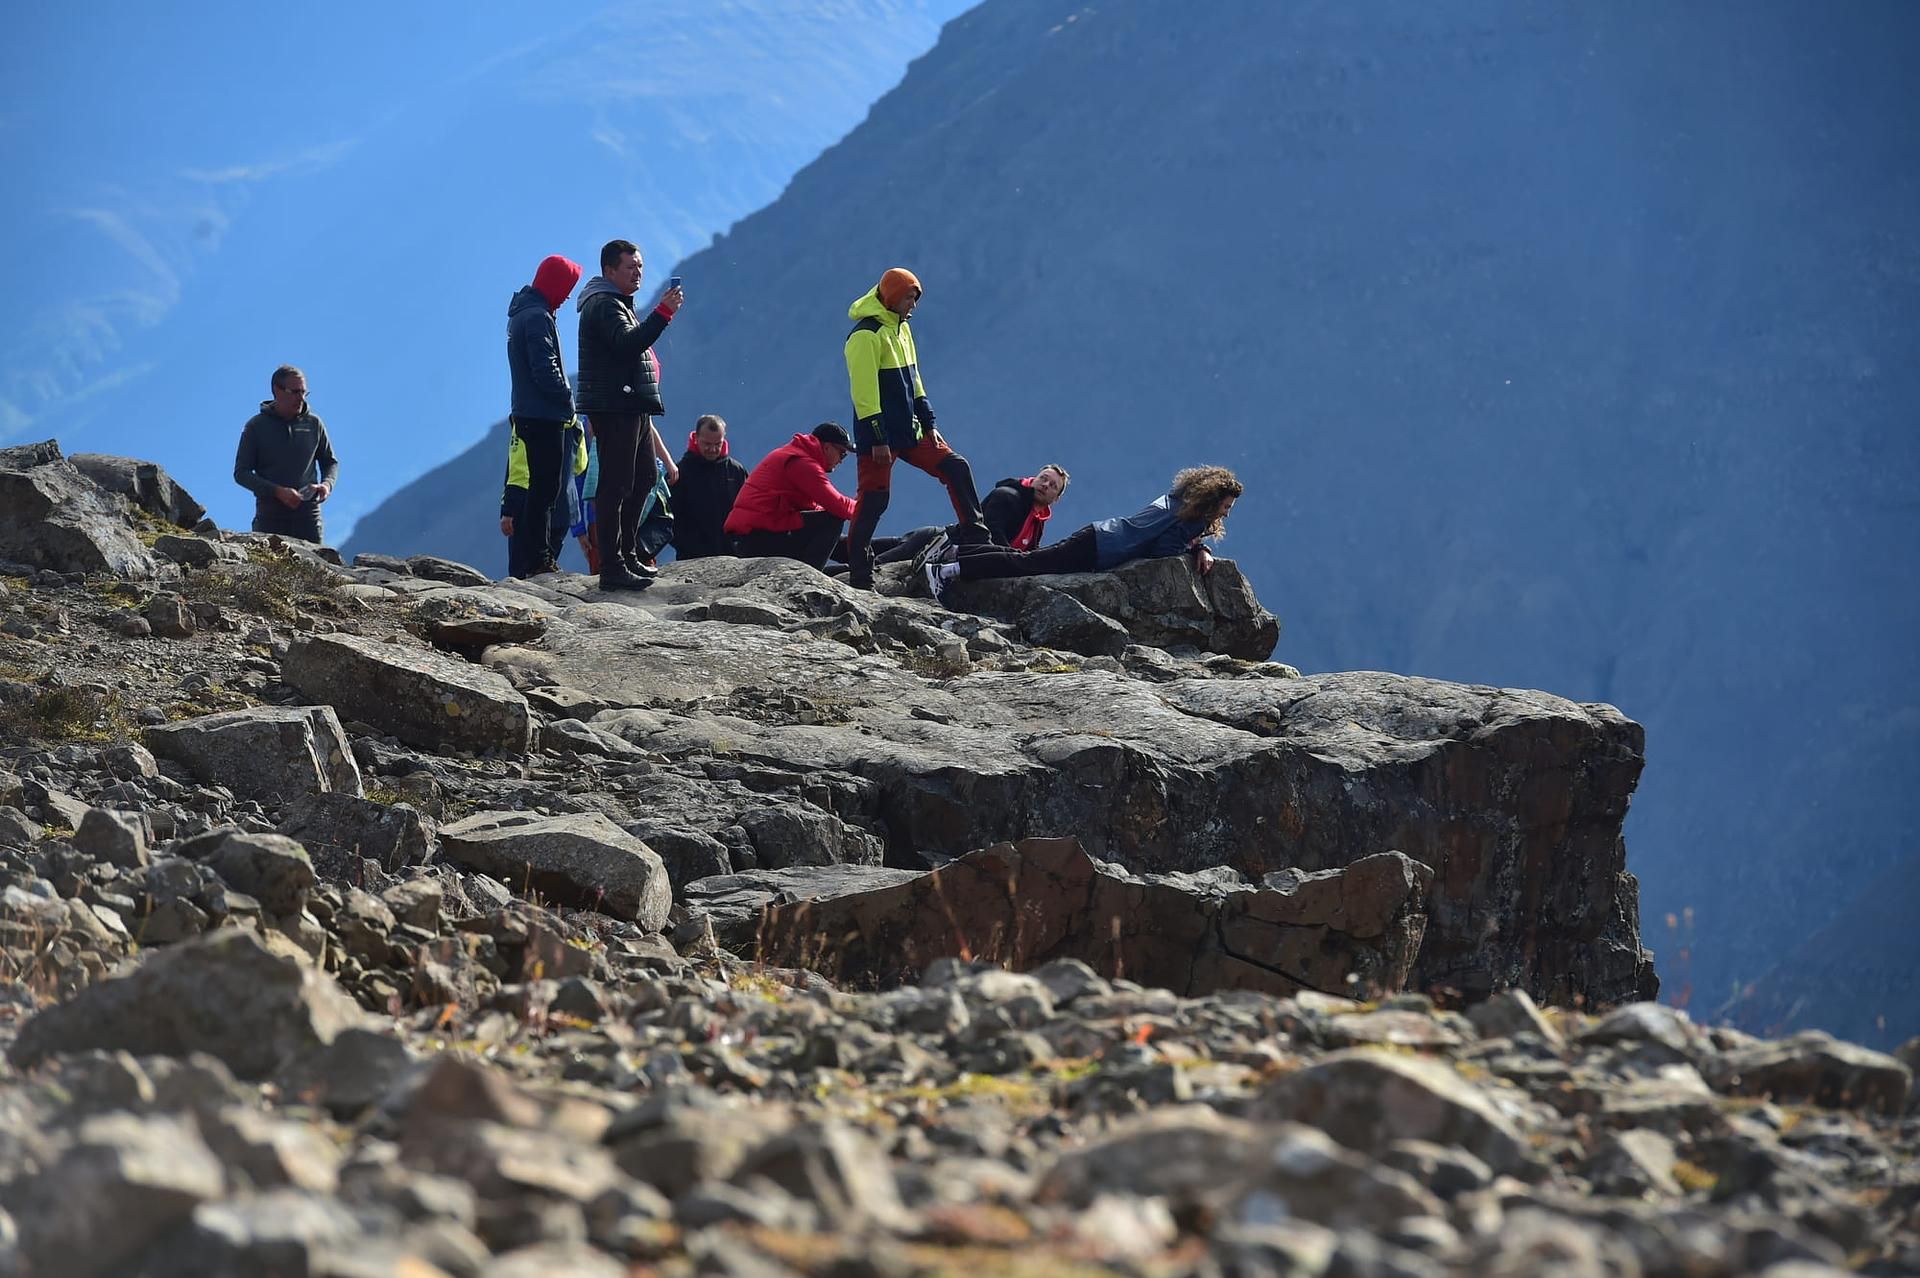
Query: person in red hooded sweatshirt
704	493
789	508
542	411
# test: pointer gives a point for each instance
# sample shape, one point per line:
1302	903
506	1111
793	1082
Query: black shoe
638	567
620	579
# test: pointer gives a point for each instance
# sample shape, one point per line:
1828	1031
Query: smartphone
674	282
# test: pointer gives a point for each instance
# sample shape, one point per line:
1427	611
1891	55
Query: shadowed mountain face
1565	349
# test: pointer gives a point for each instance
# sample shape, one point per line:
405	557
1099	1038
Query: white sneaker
936	584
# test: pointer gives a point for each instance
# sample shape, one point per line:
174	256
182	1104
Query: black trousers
302	523
810	543
1076	554
617	505
527	548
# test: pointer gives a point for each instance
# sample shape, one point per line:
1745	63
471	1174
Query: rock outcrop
144	484
636	988
53	516
1514	799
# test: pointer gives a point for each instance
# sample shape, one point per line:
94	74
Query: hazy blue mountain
1565	347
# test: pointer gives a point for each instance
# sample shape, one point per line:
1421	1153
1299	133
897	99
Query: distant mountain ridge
1561	349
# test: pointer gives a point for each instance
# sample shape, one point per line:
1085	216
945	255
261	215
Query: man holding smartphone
893	417
286	461
618	391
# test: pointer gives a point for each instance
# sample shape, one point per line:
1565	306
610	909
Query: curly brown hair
1203	493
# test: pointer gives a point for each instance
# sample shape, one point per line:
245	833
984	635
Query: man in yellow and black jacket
892	416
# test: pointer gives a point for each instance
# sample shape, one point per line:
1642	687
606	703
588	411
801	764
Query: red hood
555	279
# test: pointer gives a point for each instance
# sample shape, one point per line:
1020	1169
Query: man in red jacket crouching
788	507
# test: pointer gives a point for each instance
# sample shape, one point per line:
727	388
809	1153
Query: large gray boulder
424	698
52	516
270	753
580	859
1162	603
225	994
144	484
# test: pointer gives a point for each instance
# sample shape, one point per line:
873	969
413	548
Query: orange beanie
894	285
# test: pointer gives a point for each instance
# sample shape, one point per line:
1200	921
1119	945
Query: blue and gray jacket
1153	533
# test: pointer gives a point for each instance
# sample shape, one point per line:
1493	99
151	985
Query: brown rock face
1028	903
1514	799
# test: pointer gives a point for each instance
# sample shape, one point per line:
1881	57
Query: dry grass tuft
274	584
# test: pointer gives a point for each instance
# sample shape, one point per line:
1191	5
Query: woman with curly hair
1192	512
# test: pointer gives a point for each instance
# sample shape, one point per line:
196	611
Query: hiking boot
621	579
638	567
550	564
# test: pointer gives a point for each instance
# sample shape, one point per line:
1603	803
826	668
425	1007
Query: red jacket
790	481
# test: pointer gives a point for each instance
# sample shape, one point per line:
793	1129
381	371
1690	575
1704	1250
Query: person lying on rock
286	461
1181	521
788	508
1016	512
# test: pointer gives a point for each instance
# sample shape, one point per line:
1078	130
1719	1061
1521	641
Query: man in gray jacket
286	460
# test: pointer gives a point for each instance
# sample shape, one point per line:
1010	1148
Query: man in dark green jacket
286	461
618	391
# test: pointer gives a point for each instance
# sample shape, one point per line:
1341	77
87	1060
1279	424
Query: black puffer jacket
618	371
